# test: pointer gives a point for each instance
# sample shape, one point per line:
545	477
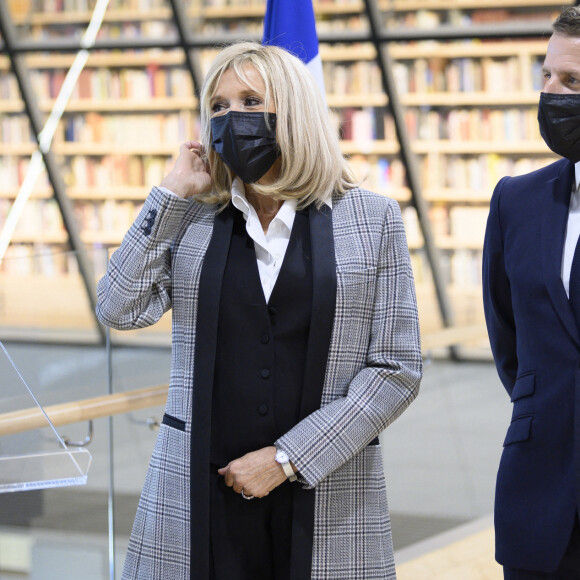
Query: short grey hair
312	165
568	23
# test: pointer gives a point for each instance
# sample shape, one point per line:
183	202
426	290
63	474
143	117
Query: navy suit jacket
536	346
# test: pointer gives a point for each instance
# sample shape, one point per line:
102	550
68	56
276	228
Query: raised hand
190	175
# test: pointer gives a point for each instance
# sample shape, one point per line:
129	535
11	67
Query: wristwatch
283	459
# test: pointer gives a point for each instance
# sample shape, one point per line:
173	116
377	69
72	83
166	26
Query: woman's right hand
190	175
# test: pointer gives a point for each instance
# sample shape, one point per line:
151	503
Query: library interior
434	101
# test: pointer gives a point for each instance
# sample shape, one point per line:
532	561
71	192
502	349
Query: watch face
282	457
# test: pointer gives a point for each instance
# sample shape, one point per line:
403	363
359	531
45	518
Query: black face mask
246	143
559	118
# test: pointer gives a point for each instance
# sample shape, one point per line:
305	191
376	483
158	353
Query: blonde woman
295	340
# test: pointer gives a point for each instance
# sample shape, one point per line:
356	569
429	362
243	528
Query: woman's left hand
257	473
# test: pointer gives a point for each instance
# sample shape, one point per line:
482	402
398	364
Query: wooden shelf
448	243
448	147
70	149
470	99
117	193
439	194
60	237
241	11
437	49
337	101
440	5
365	51
204	13
17	149
139	193
151	104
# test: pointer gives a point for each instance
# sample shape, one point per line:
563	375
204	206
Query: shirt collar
286	213
577	171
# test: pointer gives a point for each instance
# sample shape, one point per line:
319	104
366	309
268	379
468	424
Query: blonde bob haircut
312	165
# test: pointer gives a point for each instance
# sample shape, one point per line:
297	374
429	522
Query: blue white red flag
290	24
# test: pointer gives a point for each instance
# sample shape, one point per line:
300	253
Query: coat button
265	338
263	409
265	373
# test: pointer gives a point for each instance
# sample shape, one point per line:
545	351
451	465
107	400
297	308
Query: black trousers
250	539
569	568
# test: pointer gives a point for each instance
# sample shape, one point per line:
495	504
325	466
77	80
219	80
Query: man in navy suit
531	287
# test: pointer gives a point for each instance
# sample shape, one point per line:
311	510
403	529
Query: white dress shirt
572	232
271	246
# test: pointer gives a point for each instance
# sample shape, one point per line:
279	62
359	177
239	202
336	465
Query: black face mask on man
246	143
559	118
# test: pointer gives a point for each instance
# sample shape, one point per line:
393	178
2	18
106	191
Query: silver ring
247	496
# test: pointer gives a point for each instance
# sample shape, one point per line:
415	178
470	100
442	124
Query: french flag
290	24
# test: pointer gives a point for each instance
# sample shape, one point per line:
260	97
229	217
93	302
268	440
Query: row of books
111	216
44	260
475	173
137	84
37	259
474	124
461	269
129	129
15	129
86	5
126	29
465	224
38	216
461	17
358	77
492	75
426	123
13	171
116	170
42	217
354	124
478	174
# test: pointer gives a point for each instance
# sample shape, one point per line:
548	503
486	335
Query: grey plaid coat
373	370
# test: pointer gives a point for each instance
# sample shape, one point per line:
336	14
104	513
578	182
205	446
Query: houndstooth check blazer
373	371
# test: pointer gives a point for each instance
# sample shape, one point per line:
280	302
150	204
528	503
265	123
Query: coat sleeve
497	301
381	390
136	289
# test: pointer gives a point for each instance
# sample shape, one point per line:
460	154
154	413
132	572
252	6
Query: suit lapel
321	322
554	221
323	304
206	337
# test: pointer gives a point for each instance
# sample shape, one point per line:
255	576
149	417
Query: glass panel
133	368
47	326
32	454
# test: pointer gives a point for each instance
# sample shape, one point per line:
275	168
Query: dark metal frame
377	35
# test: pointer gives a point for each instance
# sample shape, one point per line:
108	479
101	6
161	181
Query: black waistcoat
261	347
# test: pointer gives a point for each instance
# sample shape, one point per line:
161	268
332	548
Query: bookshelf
470	112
